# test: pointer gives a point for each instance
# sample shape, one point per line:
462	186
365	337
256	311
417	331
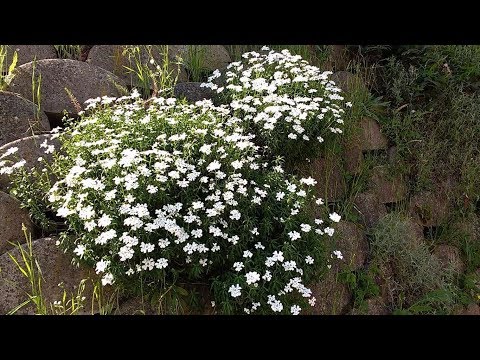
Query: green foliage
33	197
434	117
362	285
72	52
7	67
153	71
417	272
194	62
435	302
69	303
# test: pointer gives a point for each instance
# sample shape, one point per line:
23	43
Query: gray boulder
19	117
59	77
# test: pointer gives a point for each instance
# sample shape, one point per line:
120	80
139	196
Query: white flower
80	250
338	254
146	247
148	264
289	265
278	256
295	309
203	262
129	272
101	266
90	225
125	253
276	306
206	149
104	221
152	189
235	215
86	212
110	195
252	277
64	212
335	217
259	245
292	187
305	227
308	181
294	235
197	233
280	195
50	149
235	290
237	164
104	237
163	243
238	266
329	231
107	279
161	263
214	166
174	174
267	276
197	205
19	164
11	151
309	260
247	254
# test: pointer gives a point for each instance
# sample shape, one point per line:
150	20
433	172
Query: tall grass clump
7	67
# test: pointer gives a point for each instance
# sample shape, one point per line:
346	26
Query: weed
417	272
69	304
151	76
436	302
362	285
194	62
30	268
72	52
7	68
434	117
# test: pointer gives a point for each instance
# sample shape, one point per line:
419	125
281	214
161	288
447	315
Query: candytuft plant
157	192
290	105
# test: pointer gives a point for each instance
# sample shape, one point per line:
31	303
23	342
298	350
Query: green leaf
14	63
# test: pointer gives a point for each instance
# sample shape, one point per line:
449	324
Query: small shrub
292	107
155	191
417	272
158	192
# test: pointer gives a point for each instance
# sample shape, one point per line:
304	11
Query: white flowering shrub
289	104
155	190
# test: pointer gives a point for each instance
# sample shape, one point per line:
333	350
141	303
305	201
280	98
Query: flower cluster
289	104
156	189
